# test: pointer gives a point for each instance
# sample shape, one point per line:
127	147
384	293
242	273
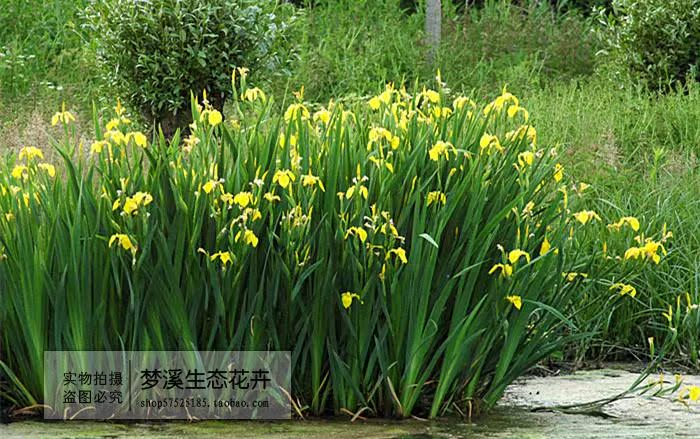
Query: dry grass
32	127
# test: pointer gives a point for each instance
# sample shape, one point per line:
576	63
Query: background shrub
157	52
656	40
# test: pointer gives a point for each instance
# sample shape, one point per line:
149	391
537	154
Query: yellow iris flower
249	238
322	115
347	297
284	178
439	149
62	116
376	134
516	254
271	197
134	202
243	199
224	257
357	231
30	152
586	216
545	246
253	94
400	253
138	137
461	101
311	180
506	269
572	276
20	171
49	168
648	251
693	393
214	117
558	172
526	158
436	197
296	110
626	220
624	289
489	143
516	301
123	241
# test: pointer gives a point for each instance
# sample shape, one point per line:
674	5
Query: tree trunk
433	28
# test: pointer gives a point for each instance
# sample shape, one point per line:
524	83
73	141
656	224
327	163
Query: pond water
636	417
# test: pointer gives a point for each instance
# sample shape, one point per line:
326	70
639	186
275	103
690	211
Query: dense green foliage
658	41
157	52
413	253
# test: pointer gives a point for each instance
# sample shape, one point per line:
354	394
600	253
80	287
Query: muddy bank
636	417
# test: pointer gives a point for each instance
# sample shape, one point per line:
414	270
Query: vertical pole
433	29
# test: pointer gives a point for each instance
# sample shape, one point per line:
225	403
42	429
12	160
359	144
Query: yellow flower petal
214	117
545	246
516	254
347	298
516	301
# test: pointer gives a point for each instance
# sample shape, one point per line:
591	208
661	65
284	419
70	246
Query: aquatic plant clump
416	253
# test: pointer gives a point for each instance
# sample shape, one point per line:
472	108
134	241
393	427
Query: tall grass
41	46
639	150
46	57
415	254
351	47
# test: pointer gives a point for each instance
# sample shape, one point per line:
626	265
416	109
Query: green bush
157	52
656	40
